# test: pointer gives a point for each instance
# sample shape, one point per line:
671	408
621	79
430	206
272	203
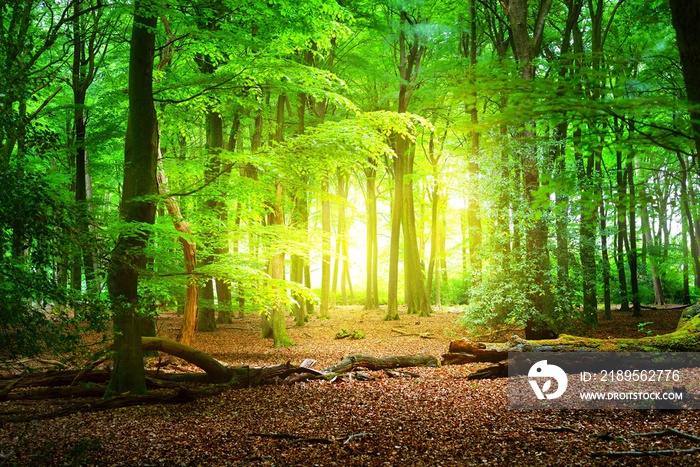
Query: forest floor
436	418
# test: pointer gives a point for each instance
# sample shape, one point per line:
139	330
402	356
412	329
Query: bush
37	313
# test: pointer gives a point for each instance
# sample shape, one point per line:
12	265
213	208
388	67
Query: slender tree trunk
137	206
686	275
632	251
473	219
587	237
646	233
326	254
621	234
279	329
392	312
214	143
605	259
371	297
301	220
410	54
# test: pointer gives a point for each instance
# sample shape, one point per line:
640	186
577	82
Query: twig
659	452
304	439
670	431
556	429
87	370
293	438
356	435
401	374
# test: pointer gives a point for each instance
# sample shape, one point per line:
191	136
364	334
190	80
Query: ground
439	418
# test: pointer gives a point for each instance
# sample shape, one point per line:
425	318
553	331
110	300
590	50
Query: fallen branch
424	335
6	390
356	435
670	431
556	429
352	362
293	438
122	400
81	374
401	374
657	452
654	452
304	439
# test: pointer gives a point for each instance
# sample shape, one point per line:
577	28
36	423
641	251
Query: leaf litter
425	417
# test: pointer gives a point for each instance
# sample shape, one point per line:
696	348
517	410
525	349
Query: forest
199	197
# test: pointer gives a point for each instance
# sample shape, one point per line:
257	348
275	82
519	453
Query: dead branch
556	429
423	335
670	431
351	362
657	452
654	452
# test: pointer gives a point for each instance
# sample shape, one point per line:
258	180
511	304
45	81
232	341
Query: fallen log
352	362
65	384
422	335
686	338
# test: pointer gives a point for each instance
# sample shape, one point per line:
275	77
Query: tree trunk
684	339
525	48
473	220
646	232
632	252
410	53
686	21
372	294
587	237
137	205
326	255
621	234
189	318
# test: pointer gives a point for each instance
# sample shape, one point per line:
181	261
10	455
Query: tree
411	51
525	49
137	208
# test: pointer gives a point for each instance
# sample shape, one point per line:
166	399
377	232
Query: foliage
38	313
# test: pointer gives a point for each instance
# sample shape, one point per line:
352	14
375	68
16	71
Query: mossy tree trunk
686	338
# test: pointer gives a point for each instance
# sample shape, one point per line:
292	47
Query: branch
200	93
33	115
539	25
